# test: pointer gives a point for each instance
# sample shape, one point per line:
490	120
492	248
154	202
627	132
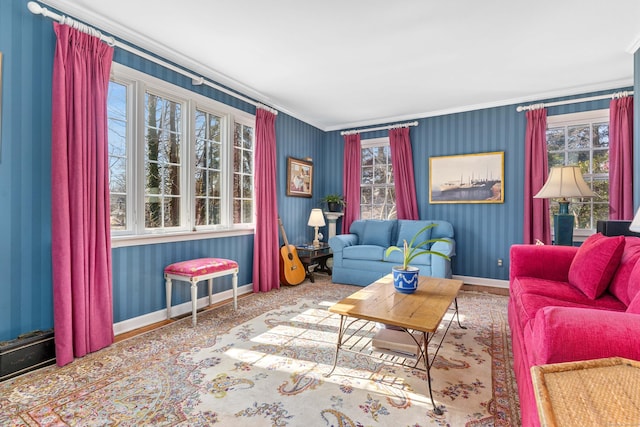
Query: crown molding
634	46
578	90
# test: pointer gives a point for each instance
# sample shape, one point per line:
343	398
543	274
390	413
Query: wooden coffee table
421	312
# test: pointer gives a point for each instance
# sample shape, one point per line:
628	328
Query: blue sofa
359	257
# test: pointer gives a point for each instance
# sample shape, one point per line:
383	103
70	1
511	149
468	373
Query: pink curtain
402	162
80	229
621	158
351	180
265	240
536	211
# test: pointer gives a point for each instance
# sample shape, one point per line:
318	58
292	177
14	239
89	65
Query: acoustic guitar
291	269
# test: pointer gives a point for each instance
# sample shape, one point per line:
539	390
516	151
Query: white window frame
371	143
138	84
579	118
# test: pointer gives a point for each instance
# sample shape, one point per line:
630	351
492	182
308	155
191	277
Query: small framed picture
299	177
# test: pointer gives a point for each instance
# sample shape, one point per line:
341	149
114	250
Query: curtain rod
196	80
574	101
396	126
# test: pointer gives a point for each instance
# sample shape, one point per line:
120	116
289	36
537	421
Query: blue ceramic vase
405	281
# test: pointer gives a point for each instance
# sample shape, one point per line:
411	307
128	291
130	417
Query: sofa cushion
554	289
377	232
408	228
595	264
367	252
529	304
621	283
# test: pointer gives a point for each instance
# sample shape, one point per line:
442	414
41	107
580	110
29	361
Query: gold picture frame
467	178
299	177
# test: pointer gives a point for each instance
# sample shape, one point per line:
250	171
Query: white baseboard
176	310
482	281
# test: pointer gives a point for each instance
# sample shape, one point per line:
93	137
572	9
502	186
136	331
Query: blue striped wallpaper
26	43
484	232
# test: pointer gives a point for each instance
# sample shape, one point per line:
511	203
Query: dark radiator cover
26	353
615	228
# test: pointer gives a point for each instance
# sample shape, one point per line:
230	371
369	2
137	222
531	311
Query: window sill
152	239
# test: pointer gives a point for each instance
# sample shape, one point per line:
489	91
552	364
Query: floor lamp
564	182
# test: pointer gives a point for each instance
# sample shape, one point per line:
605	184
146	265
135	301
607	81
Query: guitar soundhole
290	256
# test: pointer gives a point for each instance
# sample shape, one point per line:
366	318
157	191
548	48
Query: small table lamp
316	219
563	183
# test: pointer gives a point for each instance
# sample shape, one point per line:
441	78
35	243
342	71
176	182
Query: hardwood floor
125	335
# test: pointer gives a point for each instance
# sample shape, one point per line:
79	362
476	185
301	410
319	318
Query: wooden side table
601	392
314	259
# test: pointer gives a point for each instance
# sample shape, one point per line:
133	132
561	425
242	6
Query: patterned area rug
265	365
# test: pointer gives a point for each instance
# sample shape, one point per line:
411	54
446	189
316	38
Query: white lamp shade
316	219
635	224
565	182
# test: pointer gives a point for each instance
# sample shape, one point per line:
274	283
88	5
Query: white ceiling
343	63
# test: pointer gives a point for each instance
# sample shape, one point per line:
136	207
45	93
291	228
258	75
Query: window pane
117	135
214	184
171	212
243	174
367	157
207	171
556	159
201	211
162	161
117	175
366	175
555	139
365	196
214	212
601	188
579	158
237	211
246	211
118	212
578	137
601	161
601	135
214	157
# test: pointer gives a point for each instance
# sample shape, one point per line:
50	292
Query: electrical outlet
499	262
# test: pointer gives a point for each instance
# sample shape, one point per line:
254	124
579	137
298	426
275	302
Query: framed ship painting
299	177
467	178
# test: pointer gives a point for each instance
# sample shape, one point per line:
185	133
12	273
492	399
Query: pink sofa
568	303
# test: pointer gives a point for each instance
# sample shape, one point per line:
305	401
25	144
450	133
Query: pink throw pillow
595	264
634	307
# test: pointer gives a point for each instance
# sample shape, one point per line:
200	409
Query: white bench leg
211	291
234	281
168	291
194	302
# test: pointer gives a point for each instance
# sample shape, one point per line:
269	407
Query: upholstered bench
195	270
